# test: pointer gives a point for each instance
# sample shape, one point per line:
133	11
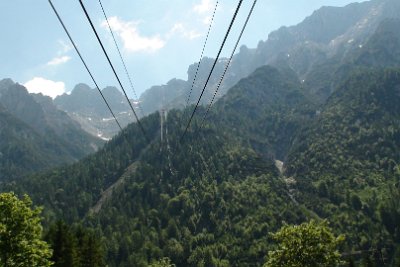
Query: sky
159	39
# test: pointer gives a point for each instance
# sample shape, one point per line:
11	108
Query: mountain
23	150
215	197
330	33
266	109
165	94
16	99
314	49
190	200
19	147
381	49
35	134
346	161
86	106
357	124
83	99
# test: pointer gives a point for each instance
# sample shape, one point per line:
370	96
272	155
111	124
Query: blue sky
159	39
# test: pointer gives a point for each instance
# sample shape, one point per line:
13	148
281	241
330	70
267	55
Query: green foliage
68	192
63	244
390	211
215	208
213	199
35	135
164	262
20	233
345	161
24	151
309	244
357	132
265	110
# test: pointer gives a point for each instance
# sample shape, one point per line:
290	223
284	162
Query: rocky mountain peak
6	83
113	93
81	88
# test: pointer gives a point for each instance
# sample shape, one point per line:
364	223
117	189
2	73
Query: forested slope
213	198
210	198
346	161
35	135
266	110
22	150
212	202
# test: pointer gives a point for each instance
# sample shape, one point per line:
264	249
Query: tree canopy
309	244
20	233
164	262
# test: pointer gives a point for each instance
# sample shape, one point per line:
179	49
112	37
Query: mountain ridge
56	138
328	34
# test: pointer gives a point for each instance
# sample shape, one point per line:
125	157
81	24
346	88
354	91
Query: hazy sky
159	38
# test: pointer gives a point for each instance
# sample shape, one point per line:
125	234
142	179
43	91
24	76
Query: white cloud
203	7
207	20
46	87
179	28
58	60
131	38
64	47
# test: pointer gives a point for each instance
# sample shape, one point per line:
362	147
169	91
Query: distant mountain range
318	45
329	33
86	106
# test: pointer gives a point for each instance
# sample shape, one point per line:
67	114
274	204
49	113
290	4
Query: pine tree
64	247
90	249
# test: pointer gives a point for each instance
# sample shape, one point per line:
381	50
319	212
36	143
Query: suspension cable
83	61
212	69
113	69
228	64
202	53
122	59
